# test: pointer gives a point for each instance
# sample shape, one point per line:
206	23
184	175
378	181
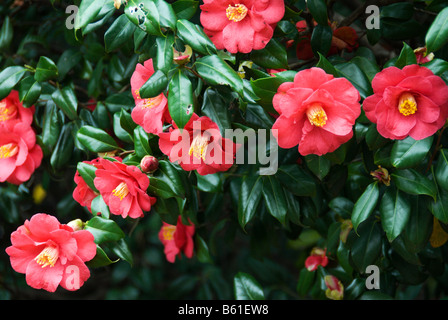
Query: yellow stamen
121	191
48	256
5	112
199	147
8	150
151	102
407	104
168	232
236	13
316	115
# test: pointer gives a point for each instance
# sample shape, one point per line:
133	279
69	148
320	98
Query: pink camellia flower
335	289
83	194
51	253
149	113
318	257
177	239
123	188
317	112
12	110
19	153
199	146
241	25
407	102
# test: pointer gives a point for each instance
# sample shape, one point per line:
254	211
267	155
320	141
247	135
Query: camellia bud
76	224
381	175
335	289
149	164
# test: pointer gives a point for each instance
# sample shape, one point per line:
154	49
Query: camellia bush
223	149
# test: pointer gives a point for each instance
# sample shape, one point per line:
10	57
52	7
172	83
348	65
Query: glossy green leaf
29	91
296	180
180	98
306	280
249	198
104	230
185	9
274	198
216	71
64	148
66	100
154	86
247	288
87	172
120	31
215	107
192	34
408	152
98	206
141	142
414	182
437	34
9	77
145	15
366	247
441	172
87	12
100	260
96	140
365	205
6	34
318	10
406	57
164	57
320	166
395	210
273	56
52	124
321	39
46	70
439	208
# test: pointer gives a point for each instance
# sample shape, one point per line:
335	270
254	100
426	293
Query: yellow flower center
316	115
199	147
8	150
236	13
121	191
407	104
48	256
151	102
168	232
5	112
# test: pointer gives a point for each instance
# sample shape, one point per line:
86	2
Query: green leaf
306	280
124	126
100	260
64	148
67	61
52	124
247	288
265	89
409	152
395	210
214	106
439	208
192	34
9	77
118	33
202	251
96	140
250	195
441	172
357	77
145	15
185	9
122	250
365	204
326	65
87	12
406	57
6	34
29	91
413	182
164	57
318	10
104	230
166	181
272	56
437	34
296	180
367	247
419	227
46	70
87	172
274	198
154	86
141	142
209	182
216	71
98	206
168	17
320	166
180	98
321	39
66	100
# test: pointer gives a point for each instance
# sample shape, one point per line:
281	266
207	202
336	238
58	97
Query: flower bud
149	164
335	289
76	224
381	175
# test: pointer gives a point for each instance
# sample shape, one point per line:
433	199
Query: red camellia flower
199	146
177	239
123	188
12	111
149	113
408	102
51	253
318	257
317	112
241	25
83	194
19	153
